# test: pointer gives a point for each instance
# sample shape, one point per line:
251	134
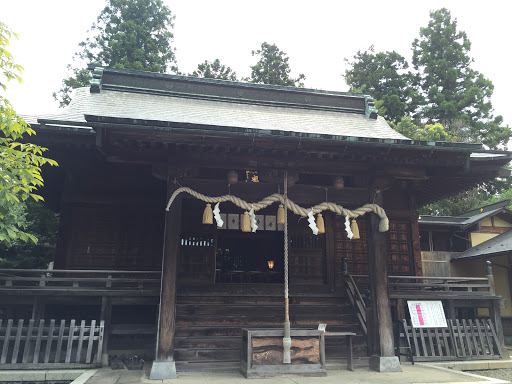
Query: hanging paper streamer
216	215
347	228
254	225
312	223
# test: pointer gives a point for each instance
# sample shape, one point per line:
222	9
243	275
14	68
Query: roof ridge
187	86
486	208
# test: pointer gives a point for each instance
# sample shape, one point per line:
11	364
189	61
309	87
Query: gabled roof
499	245
135	97
466	219
201	111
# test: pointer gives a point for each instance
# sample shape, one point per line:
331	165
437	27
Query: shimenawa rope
298	210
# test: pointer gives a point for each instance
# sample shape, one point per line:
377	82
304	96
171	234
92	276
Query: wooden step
208	342
236	330
247	309
204	354
261	300
208	366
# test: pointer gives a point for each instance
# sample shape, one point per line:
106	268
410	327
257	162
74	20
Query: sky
316	35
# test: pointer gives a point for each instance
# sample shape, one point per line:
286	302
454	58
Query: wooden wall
112	218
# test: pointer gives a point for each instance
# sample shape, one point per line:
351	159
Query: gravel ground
503	374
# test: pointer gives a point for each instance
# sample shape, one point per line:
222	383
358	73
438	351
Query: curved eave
195	129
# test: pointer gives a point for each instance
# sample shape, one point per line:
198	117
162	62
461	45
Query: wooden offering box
262	353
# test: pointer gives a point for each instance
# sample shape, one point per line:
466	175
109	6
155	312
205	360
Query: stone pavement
418	374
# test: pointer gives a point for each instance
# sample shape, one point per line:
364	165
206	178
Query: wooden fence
42	344
473	339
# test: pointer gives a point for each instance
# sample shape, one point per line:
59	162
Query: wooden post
164	366
330	249
415	232
490	277
494	311
106	316
38	308
452	313
384	360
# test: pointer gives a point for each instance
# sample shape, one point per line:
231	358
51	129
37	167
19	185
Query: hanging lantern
320	223
208	214
338	183
280	214
355	229
232	177
270	264
246	222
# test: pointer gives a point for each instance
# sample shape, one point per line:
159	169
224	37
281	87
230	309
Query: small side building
460	245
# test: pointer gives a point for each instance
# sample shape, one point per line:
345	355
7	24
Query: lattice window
399	249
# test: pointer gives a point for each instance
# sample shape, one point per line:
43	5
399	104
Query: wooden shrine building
180	291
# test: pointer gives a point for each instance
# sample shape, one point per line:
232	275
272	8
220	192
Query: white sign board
427	314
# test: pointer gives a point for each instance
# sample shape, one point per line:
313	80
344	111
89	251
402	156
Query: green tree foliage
384	76
128	34
214	70
428	132
20	162
453	93
40	222
273	68
81	77
455	205
441	87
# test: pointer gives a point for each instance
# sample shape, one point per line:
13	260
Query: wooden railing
439	286
449	287
357	301
44	281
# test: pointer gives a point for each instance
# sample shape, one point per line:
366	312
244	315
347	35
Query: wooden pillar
415	232
63	236
164	366
495	315
38	308
384	360
106	316
330	249
452	313
494	311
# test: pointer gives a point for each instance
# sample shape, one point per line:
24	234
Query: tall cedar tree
384	76
214	70
453	93
128	34
273	68
459	97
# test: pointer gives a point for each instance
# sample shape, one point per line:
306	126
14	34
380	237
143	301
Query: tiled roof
465	219
198	111
496	246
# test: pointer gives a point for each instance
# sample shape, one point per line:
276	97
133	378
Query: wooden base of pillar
385	364
163	370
